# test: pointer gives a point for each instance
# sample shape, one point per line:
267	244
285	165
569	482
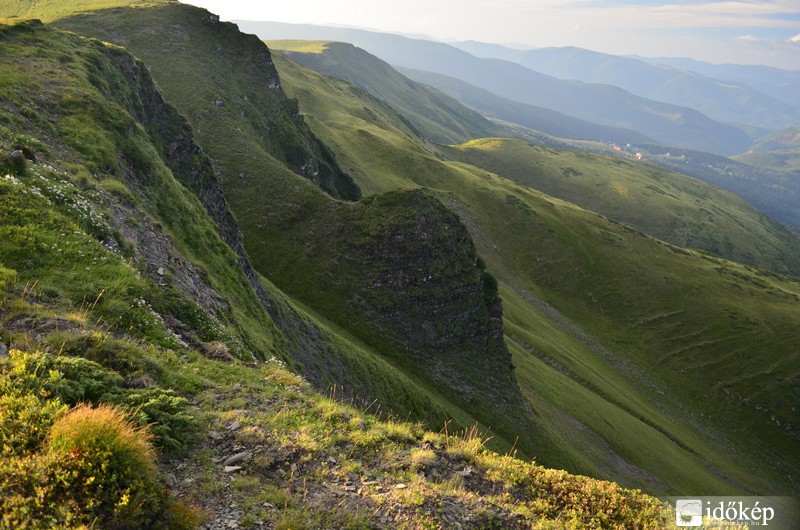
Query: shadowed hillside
595	312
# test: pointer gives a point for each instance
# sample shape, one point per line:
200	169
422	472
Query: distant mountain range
603	104
434	112
538	118
778	83
725	100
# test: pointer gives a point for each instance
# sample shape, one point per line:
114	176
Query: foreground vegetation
304	460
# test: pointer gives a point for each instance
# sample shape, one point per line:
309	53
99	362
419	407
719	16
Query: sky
731	31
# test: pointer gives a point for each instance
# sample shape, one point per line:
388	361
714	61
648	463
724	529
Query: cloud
747	38
675	14
796	38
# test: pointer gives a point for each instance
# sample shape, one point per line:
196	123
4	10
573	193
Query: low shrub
74	380
7	277
284	378
103	465
25	420
95	469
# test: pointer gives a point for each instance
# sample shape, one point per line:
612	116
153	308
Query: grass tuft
108	431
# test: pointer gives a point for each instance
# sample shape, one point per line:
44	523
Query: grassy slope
663	204
328	464
779	150
288	224
55	106
772	191
254	123
666	205
576	302
657	308
49	10
434	115
70	344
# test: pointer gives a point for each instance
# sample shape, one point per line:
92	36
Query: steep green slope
665	205
49	10
602	320
775	192
252	117
121	150
343	261
433	114
120	402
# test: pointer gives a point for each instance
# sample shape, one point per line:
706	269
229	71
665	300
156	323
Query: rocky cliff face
239	80
149	192
128	82
399	271
422	286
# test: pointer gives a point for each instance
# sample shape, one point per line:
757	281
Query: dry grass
104	429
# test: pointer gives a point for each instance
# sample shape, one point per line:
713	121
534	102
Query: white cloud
747	38
796	38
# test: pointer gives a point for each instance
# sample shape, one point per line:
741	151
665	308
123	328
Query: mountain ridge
542	242
283	224
417	104
669	124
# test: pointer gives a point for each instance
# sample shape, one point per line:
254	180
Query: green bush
13	163
91	467
163	410
7	277
121	356
74	380
24	422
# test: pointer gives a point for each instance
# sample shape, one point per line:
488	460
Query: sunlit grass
303	46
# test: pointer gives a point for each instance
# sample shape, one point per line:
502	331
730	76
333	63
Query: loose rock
238	458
